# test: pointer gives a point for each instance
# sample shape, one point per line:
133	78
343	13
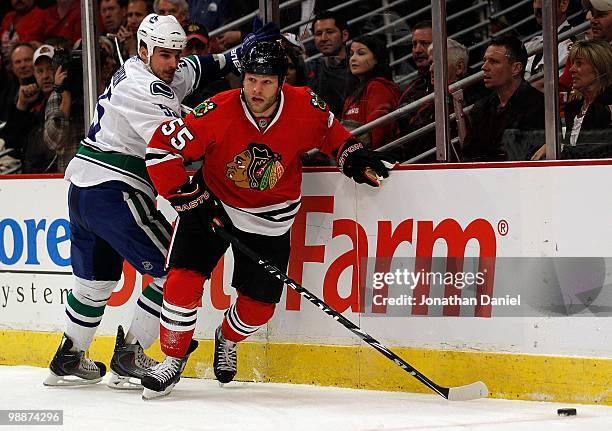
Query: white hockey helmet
161	30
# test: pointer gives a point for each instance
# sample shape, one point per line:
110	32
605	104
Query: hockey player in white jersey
111	200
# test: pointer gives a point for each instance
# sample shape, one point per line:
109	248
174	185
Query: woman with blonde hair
591	99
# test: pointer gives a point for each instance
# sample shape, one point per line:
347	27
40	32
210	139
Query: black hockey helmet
265	58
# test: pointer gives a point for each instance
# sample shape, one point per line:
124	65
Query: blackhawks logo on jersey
257	168
204	108
317	102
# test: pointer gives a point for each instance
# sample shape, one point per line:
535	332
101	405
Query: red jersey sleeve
334	134
174	143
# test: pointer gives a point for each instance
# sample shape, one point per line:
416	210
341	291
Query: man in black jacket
502	124
329	76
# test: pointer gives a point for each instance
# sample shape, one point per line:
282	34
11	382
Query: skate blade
150	394
55	380
123	383
235	383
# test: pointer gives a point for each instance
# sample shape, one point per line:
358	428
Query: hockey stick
458	393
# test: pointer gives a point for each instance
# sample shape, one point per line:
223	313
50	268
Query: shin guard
245	317
145	323
182	291
85	308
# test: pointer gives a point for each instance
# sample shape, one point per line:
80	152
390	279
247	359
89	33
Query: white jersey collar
249	115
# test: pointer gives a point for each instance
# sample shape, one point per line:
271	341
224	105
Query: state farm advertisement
499	259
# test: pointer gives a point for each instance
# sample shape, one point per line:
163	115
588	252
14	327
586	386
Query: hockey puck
566	412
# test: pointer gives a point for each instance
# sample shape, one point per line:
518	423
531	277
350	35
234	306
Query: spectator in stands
24	23
26	119
513	105
599	14
64	20
290	40
328	76
136	11
457	62
591	105
600	18
198	43
22	73
113	13
208	13
176	8
64	124
375	94
108	63
296	68
197	40
421	85
535	63
64	114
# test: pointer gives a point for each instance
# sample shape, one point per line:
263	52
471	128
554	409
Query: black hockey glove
192	194
363	165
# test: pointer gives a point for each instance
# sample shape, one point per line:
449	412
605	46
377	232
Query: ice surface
202	405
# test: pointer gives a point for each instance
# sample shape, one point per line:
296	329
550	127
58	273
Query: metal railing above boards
374	12
333	9
397	143
12	168
505	30
462	84
249	17
403	21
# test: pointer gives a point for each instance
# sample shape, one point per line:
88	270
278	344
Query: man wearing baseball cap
599	14
25	125
197	40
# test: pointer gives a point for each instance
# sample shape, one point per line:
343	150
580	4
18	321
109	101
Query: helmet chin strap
148	62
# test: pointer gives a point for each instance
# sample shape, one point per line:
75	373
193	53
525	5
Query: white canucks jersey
135	103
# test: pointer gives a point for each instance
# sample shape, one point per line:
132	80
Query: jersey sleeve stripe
157	159
194	61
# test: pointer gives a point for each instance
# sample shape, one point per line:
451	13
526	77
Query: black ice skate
159	380
129	364
226	362
70	368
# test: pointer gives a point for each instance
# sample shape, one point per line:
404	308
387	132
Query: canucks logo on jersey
256	168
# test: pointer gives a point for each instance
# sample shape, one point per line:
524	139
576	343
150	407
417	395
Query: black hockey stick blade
458	393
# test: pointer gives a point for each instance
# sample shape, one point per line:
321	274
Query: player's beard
262	107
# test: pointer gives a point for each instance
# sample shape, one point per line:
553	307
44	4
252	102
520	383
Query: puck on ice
566	412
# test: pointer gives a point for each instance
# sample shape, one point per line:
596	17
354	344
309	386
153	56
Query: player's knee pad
93	291
245	317
184	287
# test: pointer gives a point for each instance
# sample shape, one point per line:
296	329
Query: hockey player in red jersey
251	140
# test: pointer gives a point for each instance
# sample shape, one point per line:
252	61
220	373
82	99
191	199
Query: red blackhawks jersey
254	169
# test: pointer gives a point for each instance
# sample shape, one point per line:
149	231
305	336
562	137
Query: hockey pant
110	223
